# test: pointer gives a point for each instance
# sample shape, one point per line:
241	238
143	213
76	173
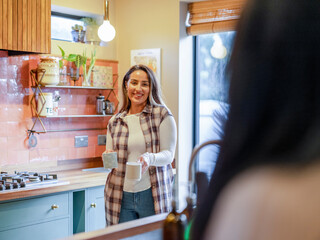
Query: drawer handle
93	205
54	206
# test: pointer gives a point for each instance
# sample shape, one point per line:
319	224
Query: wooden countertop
67	181
123	230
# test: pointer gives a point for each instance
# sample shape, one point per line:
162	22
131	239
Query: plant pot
92	34
78	35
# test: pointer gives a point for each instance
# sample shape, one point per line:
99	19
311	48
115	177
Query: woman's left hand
144	160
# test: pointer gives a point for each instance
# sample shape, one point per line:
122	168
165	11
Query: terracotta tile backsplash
17	116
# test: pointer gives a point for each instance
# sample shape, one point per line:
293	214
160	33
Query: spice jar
51	76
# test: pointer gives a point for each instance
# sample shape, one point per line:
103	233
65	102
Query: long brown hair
155	90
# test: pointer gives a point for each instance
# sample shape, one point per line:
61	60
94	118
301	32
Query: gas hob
27	180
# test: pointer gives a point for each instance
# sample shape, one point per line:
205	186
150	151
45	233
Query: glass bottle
175	223
189	211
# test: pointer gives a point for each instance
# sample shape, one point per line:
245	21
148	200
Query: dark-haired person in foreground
267	181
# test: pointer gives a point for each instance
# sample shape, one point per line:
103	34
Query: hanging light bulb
106	31
218	50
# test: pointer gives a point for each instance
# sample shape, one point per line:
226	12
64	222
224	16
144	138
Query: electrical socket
81	141
102	139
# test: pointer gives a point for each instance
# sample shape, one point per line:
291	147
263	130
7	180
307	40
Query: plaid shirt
161	177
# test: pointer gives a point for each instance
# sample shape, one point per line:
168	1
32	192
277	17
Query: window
212	56
61	25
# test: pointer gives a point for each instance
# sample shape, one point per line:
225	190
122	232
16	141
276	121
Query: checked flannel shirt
161	177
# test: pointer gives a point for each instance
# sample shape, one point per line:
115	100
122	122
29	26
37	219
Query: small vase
86	81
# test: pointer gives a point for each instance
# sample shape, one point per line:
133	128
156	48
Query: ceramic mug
110	160
133	171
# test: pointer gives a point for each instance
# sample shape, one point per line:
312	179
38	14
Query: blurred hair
154	98
274	115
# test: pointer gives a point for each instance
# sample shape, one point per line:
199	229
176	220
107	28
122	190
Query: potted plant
79	61
91	27
78	33
71	58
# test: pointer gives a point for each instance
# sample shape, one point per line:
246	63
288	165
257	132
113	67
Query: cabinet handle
93	205
54	206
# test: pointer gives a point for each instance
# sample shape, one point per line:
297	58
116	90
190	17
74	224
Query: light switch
81	141
102	139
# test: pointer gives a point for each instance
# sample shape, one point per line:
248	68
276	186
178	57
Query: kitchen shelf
77	116
37	89
73	87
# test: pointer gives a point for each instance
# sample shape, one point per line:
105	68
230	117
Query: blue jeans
136	205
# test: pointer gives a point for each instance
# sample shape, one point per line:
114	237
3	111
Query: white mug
133	171
110	160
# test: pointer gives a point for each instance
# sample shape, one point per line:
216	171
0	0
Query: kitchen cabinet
45	217
95	209
53	216
88	209
25	25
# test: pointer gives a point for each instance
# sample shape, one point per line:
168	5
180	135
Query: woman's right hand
108	151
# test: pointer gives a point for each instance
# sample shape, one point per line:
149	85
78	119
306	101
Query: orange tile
82	152
4	158
3	88
4	115
91	151
3	144
16	143
16	129
99	149
18	157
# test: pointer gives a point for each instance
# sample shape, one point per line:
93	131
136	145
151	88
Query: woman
143	131
266	183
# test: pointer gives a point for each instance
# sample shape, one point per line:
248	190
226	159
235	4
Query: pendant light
106	31
218	50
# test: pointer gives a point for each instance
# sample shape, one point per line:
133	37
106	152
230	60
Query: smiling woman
144	132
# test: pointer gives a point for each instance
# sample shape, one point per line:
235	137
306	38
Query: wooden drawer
26	212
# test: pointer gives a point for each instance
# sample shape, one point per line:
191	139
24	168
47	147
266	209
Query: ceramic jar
45	100
51	76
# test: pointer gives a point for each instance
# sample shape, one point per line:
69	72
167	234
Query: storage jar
45	100
51	76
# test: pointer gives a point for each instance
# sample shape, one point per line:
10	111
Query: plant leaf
62	52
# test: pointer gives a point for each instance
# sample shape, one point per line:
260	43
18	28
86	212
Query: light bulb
106	31
218	51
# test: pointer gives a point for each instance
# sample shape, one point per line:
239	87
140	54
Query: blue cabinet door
95	209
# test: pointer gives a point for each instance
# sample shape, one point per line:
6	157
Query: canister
100	104
51	76
45	100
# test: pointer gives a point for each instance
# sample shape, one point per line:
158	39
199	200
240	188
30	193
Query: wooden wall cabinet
25	25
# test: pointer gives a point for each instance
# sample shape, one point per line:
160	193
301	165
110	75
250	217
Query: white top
269	203
136	147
